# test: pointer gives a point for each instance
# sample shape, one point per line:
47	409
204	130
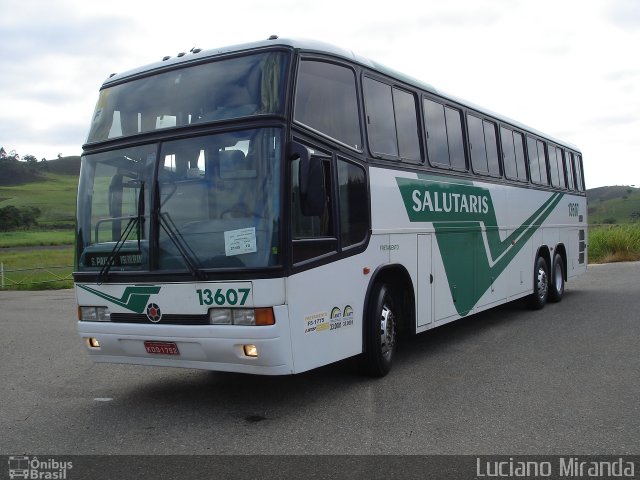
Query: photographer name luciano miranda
566	467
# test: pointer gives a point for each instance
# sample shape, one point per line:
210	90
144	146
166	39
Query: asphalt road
563	380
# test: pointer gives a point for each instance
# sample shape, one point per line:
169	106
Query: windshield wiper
188	255
134	222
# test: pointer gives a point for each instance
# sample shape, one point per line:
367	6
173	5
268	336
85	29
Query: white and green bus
272	207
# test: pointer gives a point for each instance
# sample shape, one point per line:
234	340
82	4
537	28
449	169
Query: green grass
614	243
55	197
46	279
31	238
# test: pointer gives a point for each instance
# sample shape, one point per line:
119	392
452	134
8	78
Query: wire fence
36	276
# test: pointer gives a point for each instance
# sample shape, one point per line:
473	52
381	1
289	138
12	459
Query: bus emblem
154	314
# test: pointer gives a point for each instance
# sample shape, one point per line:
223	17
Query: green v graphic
133	298
473	256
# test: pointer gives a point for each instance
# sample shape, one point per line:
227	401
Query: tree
30	159
13	218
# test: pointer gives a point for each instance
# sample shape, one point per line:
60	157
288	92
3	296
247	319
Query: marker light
250	350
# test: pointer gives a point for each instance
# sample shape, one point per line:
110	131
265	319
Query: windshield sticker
237	242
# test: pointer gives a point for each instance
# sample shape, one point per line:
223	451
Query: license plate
161	348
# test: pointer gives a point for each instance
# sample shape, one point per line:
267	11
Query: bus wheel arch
388	309
558	274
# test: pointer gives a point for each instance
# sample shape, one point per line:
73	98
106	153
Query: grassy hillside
53	190
613	205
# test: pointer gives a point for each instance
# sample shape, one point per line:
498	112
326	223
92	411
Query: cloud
624	13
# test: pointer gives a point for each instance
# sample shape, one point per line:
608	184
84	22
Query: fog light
250	350
92	342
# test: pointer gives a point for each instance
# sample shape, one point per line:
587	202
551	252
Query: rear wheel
380	331
556	285
538	298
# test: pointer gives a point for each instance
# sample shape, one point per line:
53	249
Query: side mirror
310	179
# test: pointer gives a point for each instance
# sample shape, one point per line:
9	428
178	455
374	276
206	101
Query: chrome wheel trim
543	283
387	331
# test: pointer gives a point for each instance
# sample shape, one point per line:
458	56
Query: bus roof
307	45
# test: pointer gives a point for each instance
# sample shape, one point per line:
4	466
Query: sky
568	68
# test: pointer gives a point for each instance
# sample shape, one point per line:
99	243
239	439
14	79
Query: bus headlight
241	316
94	314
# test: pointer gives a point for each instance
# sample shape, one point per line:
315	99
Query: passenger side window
407	125
313	235
534	162
568	163
380	118
483	145
445	144
326	101
553	166
577	167
392	122
508	153
559	157
354	204
537	161
518	143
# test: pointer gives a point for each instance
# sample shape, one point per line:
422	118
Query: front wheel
538	298
381	327
556	285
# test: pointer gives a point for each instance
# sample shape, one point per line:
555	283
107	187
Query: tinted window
354	211
568	162
518	143
543	163
476	143
313	235
484	145
407	125
534	162
508	153
326	101
437	147
454	135
559	155
214	91
380	118
577	167
553	166
492	147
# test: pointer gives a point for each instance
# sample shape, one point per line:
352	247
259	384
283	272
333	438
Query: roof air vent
164	59
195	50
273	37
181	54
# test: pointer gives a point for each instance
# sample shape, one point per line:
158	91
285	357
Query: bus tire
538	298
556	281
381	329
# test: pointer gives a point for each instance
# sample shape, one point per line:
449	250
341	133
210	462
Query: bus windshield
207	202
220	90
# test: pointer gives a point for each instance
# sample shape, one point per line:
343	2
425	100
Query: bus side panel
326	307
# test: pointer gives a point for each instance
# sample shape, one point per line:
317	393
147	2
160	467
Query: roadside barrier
34	276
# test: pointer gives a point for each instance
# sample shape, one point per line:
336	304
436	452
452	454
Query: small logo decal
153	313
